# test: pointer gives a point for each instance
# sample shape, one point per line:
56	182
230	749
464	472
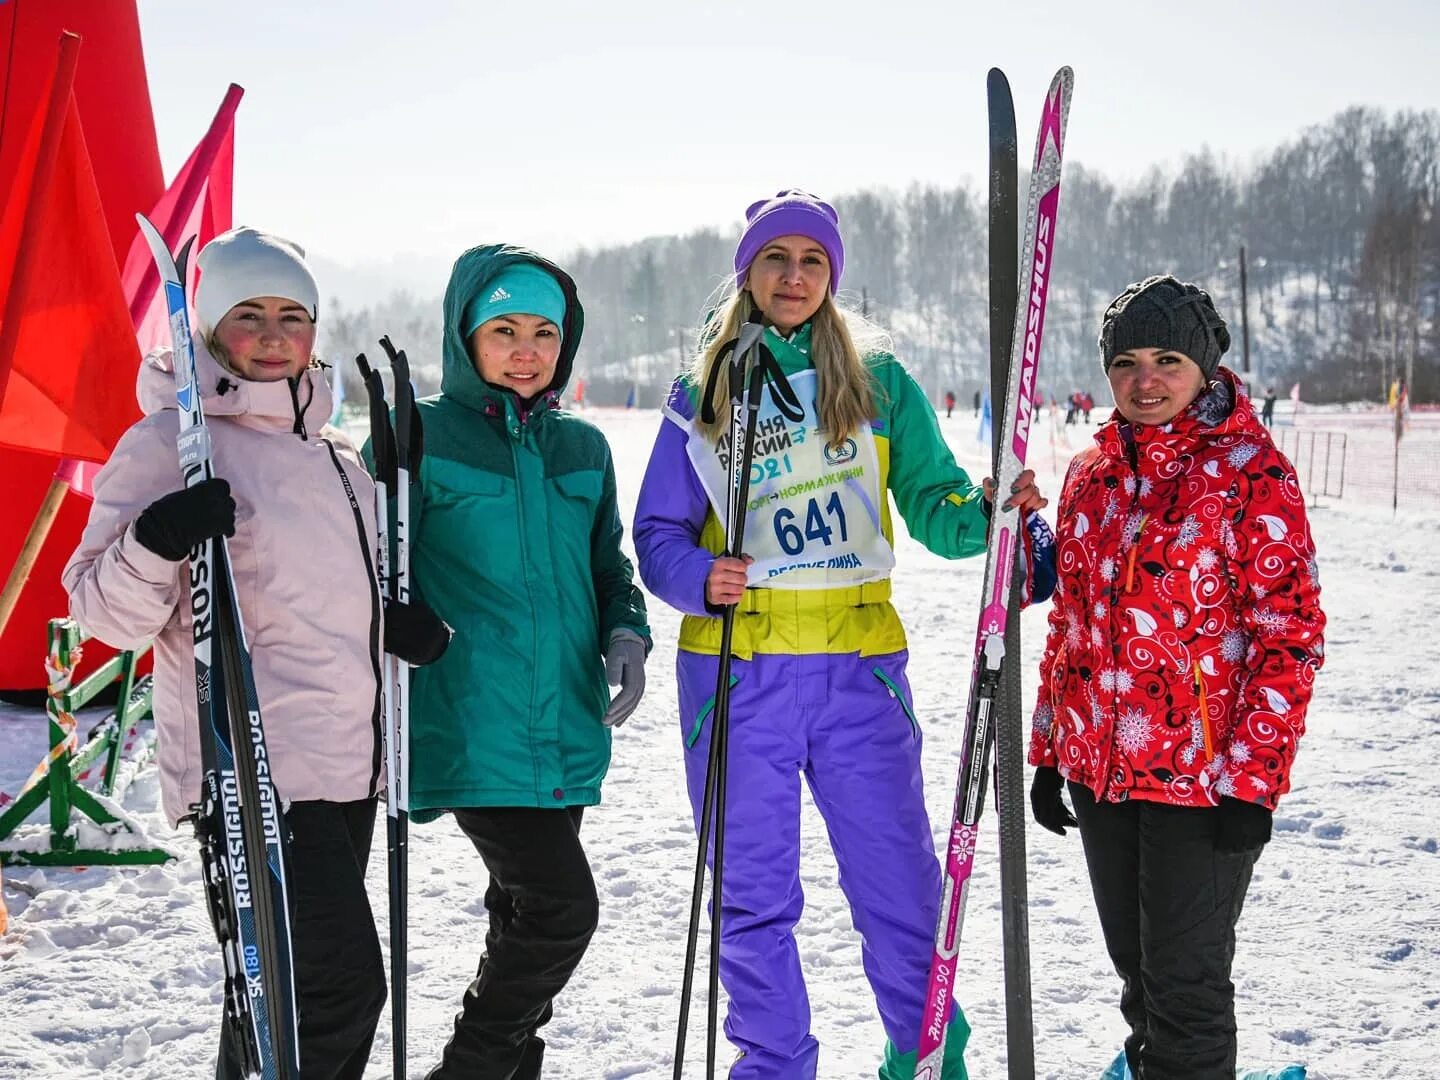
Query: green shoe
900	1066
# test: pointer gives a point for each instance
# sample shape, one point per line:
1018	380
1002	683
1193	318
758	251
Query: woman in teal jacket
516	544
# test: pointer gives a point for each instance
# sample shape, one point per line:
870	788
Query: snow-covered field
113	972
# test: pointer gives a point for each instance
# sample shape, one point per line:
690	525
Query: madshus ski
243	841
1010	797
1000	560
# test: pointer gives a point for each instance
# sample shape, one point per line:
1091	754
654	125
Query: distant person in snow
1184	640
1087	402
314	622
819	684
977	403
517	546
1267	410
949	403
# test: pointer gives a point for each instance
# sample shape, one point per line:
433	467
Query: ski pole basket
58	776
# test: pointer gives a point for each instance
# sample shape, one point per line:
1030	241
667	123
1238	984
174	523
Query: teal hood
470	276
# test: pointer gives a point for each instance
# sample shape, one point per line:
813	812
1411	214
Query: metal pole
1244	315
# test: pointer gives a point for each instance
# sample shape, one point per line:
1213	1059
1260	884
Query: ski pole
744	370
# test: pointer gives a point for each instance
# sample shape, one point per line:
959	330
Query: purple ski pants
844	722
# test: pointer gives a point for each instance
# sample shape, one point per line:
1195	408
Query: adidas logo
498	295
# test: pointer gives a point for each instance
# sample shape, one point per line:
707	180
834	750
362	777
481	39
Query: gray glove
625	667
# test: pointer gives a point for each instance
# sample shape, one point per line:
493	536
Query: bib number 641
817	525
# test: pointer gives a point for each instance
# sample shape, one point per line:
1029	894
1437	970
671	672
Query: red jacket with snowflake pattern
1186	629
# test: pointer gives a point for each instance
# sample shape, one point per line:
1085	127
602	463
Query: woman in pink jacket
301	550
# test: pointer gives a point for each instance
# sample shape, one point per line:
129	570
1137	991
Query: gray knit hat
1164	313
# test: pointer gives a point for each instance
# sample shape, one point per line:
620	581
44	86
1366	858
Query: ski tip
182	260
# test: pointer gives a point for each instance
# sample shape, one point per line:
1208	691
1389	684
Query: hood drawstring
299	428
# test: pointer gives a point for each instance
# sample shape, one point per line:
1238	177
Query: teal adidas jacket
516	544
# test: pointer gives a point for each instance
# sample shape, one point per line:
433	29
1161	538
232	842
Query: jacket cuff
148	567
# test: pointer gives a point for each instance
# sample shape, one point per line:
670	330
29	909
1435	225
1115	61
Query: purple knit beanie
791	212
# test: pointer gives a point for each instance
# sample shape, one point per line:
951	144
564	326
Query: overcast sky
374	129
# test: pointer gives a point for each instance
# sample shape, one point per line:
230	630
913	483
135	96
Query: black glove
414	633
175	523
1244	826
1045	802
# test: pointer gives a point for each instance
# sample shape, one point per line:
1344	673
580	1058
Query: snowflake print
1072	631
1100	609
1225	785
1189	531
1117	680
1272	621
1181	617
1207	559
1109	567
1260	591
1187	755
1197	733
1233	644
1097	637
1134	731
1130	486
1312	571
1241	454
1112	507
1043	720
1131	532
1239	751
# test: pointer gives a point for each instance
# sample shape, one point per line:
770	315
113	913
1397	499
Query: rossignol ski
243	840
396	453
1000	562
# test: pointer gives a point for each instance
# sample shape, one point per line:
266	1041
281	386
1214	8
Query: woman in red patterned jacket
1184	641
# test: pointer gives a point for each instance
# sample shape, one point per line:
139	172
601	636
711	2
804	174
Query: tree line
1338	225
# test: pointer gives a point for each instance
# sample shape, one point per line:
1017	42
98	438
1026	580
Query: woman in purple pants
819	686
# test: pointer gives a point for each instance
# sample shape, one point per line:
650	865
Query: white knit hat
245	263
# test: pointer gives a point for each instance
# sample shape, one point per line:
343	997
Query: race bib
813	516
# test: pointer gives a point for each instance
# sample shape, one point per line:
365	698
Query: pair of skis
396	452
993	716
243	841
244	846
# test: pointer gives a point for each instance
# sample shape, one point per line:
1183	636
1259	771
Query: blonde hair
842	343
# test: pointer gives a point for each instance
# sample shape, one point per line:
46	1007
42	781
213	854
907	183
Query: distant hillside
1339	228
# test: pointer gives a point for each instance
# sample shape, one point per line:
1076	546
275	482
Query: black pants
543	911
1168	905
339	973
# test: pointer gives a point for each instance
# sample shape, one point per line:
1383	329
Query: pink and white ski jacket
302	558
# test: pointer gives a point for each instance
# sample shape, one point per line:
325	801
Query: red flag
110	88
64	329
198	203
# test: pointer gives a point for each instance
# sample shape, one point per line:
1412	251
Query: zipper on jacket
370	573
299	428
1205	737
1134	551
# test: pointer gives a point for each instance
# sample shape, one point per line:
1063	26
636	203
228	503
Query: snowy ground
112	972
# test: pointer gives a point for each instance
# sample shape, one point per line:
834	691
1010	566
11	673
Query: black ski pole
398	823
744	370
